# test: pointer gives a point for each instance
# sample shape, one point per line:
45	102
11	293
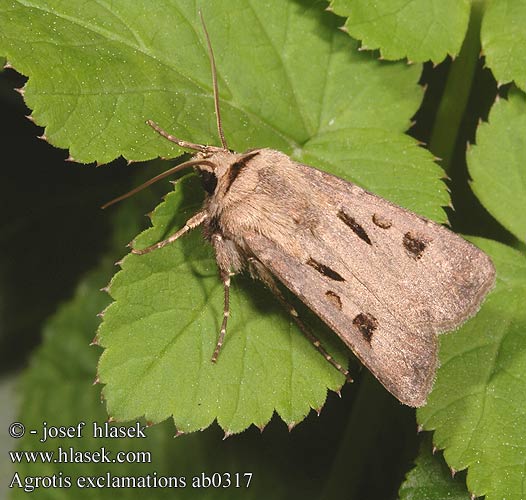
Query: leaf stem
376	447
457	91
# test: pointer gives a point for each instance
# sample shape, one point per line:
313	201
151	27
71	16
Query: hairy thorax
251	198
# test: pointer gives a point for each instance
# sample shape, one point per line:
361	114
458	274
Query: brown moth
383	278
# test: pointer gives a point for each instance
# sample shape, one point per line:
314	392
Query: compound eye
209	181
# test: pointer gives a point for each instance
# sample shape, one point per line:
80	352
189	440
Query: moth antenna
158	178
214	84
184	144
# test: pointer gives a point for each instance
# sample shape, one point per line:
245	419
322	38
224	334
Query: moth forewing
383	278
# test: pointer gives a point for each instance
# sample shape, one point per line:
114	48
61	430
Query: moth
384	279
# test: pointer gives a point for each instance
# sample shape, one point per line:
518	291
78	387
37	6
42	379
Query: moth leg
228	259
191	223
265	276
225	277
309	335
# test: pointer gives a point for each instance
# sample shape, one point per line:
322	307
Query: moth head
208	178
219	169
213	167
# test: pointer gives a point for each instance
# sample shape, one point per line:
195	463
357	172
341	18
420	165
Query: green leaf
496	163
97	73
503	39
419	30
478	405
431	479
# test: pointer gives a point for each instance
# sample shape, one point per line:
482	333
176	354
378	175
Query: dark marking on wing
414	245
236	168
334	299
381	221
367	324
351	222
325	270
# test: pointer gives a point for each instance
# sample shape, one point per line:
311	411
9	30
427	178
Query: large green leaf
98	72
417	29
